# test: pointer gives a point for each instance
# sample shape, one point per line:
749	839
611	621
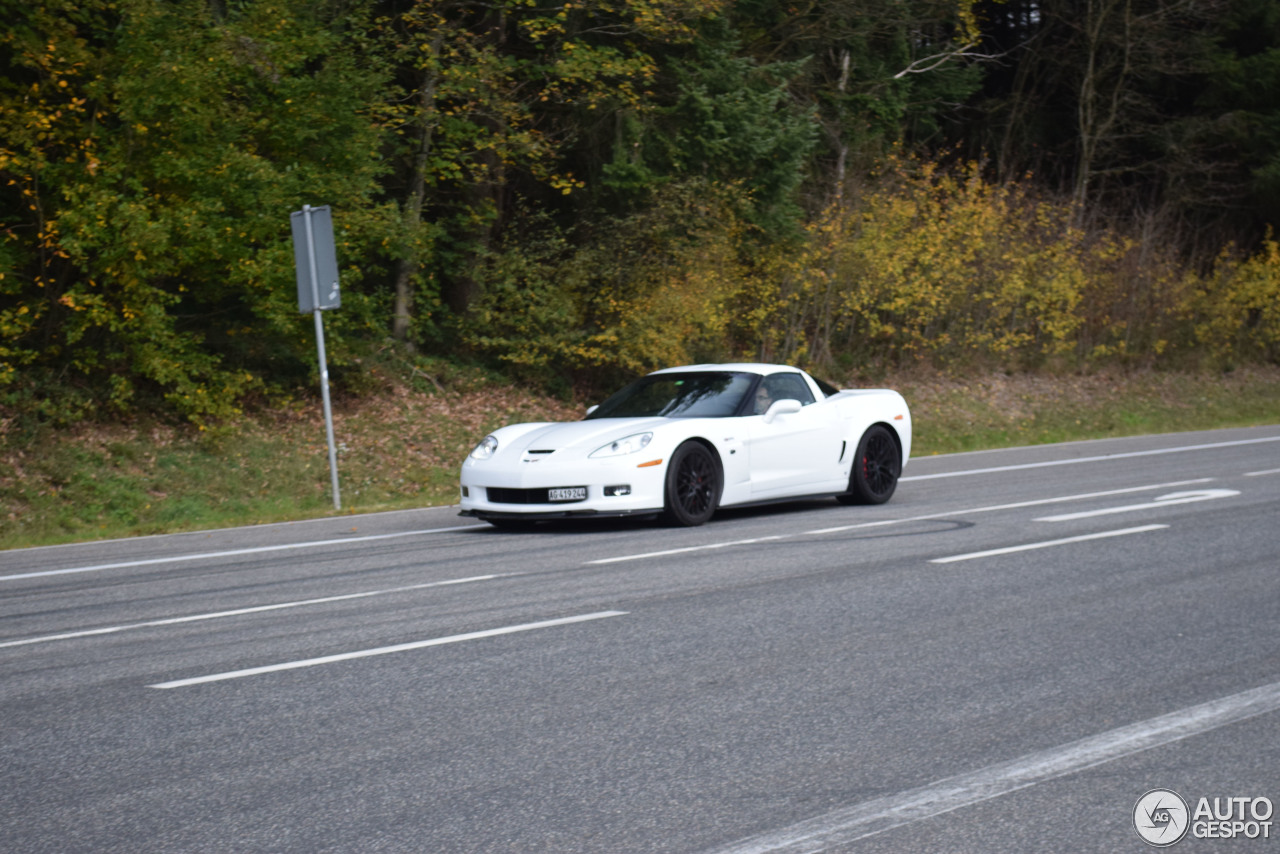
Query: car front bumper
494	489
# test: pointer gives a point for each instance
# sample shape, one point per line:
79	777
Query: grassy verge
1000	410
400	447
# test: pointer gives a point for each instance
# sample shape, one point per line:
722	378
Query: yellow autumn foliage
921	265
1237	309
943	266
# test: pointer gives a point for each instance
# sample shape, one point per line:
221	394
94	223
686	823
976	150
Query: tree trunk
410	255
1096	111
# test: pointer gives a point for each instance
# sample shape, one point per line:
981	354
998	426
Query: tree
1238	136
162	261
1092	95
876	73
50	56
729	120
490	94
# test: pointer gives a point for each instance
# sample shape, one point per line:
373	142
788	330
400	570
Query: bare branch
929	63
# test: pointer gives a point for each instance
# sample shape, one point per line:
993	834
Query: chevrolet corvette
684	442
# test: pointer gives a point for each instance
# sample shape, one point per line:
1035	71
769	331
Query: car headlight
621	447
485	449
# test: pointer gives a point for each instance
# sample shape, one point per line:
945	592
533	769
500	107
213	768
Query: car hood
583	434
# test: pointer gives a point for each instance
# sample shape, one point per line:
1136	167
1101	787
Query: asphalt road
1004	658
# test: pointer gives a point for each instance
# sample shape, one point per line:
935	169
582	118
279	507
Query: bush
1238	307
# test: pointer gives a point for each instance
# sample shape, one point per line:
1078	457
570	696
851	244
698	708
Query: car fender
721	435
862	408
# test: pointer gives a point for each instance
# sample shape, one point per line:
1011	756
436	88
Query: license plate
568	493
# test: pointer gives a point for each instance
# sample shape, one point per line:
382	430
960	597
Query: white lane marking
1049	543
235	552
1103	458
1159	501
253	609
1014	506
883	522
1261	473
843	826
386	650
666	552
259	526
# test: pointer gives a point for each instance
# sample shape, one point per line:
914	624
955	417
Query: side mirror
782	407
592	408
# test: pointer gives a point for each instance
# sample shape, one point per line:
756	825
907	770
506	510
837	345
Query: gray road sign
313	242
316	260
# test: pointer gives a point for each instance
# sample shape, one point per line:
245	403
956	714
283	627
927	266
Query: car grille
507	495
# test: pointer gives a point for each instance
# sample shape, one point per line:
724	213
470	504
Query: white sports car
683	442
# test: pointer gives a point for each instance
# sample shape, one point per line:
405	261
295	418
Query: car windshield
716	394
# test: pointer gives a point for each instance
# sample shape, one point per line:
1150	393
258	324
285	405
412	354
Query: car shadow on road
594	525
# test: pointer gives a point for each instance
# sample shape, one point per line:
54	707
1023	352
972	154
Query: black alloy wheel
693	485
876	468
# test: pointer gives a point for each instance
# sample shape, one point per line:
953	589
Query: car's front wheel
876	468
693	485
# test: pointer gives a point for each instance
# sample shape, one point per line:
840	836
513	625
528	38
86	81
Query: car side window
825	387
788	387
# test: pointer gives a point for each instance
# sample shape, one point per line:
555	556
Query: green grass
402	442
1001	410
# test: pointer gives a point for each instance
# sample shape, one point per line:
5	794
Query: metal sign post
316	261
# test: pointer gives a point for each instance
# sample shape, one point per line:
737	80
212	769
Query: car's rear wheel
876	468
693	485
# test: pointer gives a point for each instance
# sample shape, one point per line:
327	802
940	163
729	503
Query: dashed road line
234	552
252	609
1045	544
1161	501
706	547
1096	459
1017	505
884	522
384	650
